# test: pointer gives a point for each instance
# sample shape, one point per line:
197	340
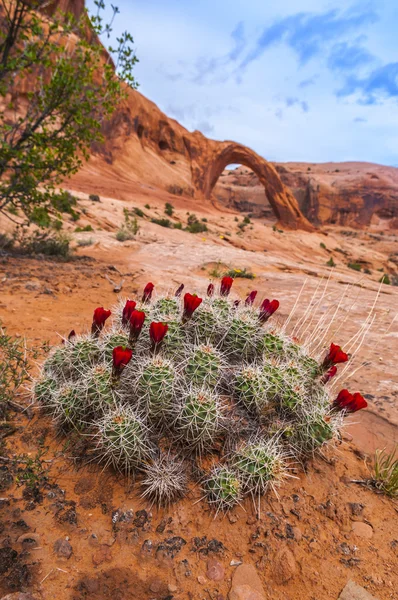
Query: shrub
169	209
194	225
323	246
243	273
147	206
330	262
44	242
83	229
177	225
209	380
385	279
162	222
14	368
129	229
85	243
94	198
355	266
137	211
246	220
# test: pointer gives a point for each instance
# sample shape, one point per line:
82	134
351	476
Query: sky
295	80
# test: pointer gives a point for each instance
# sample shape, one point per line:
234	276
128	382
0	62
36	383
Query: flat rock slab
352	591
246	584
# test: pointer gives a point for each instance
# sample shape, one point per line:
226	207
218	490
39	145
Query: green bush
177	225
169	209
330	262
83	229
162	222
322	245
354	266
147	206
44	242
138	212
385	279
94	198
129	229
194	225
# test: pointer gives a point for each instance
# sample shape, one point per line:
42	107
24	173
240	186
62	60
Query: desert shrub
169	209
129	229
243	273
83	229
177	225
323	246
43	242
330	262
162	222
85	243
210	379
147	206
354	266
385	279
194	225
14	368
246	220
137	211
94	198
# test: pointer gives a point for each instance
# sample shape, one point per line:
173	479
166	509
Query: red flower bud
191	303
99	318
121	357
157	331
334	356
349	402
251	298
210	290
136	321
179	291
226	284
329	374
147	295
267	309
72	335
236	303
127	310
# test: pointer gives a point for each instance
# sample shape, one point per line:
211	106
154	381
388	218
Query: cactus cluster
176	380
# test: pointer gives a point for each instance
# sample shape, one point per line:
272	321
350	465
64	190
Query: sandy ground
308	543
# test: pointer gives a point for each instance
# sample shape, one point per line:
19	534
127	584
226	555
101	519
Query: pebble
352	591
235	563
284	566
202	580
246	584
215	570
63	548
362	530
102	555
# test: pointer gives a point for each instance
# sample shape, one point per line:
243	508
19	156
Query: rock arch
207	167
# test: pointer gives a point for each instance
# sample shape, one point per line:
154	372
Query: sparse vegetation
129	229
323	246
85	243
246	220
385	279
43	242
94	198
162	222
169	209
194	225
330	262
354	266
386	472
137	211
14	369
243	273
83	229
147	206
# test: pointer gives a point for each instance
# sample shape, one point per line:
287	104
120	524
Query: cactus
223	488
154	387
122	440
199	420
203	366
165	480
199	376
260	464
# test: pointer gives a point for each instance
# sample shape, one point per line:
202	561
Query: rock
63	548
33	286
29	540
202	580
246	584
297	534
235	563
215	570
284	566
356	508
352	591
362	530
102	555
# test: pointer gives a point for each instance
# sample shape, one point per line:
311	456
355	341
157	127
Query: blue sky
304	80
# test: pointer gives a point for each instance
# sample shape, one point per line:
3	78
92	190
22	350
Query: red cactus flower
210	290
226	284
179	291
334	356
127	310
329	374
71	335
251	298
147	295
267	309
157	331
191	303
121	357
349	402
99	318
136	321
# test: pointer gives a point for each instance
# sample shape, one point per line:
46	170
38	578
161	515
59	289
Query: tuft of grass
85	243
216	271
169	209
322	245
129	229
386	472
385	279
330	262
354	266
243	273
137	211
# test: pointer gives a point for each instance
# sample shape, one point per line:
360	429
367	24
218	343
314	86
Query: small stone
246	584
215	570
284	566
63	548
251	520
157	586
297	534
102	555
362	530
202	580
29	540
235	563
172	588
352	591
356	508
